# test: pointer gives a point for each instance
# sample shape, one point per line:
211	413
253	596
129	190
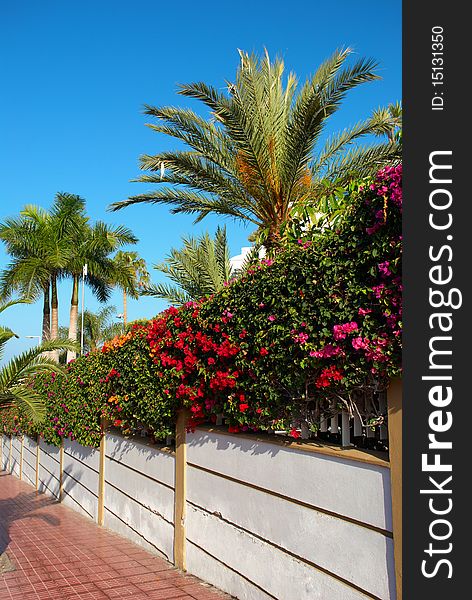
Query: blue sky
75	76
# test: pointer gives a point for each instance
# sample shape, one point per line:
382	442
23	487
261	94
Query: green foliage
17	397
199	269
99	326
315	329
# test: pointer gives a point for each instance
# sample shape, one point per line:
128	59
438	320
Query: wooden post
38	450
101	475
61	470
394	400
21	458
180	494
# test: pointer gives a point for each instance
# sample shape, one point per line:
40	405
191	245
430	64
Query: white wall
291	523
15	456
139	493
29	460
49	471
5	451
263	520
80	483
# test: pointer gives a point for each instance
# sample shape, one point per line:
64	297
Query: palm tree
40	243
34	258
14	389
259	154
99	327
131	275
46	246
67	218
199	269
93	246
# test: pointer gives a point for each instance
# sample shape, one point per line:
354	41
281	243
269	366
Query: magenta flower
384	268
359	343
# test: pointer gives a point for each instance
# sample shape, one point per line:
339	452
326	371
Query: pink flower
327	352
359	343
301	338
271	318
384	268
340	331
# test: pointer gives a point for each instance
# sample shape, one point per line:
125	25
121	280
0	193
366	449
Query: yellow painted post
38	450
61	470
180	494
101	475
394	400
21	458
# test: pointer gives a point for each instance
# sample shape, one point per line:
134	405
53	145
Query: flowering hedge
316	328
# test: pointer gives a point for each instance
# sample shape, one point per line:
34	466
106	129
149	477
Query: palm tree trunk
125	309
46	314
74	314
54	316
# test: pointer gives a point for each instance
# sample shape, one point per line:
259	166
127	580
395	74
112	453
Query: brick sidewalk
58	554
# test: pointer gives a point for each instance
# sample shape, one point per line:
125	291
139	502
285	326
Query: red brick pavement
58	554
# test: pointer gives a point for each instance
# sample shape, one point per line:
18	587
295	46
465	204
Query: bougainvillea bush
298	337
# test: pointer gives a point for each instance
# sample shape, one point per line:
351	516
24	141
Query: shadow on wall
271	448
25	505
125	445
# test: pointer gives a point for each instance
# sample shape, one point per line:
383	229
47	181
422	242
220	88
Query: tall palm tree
131	275
46	246
34	258
259	154
14	391
40	243
68	217
199	269
93	246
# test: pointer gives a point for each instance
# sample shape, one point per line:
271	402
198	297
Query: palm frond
30	402
257	154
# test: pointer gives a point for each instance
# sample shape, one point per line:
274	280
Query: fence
257	517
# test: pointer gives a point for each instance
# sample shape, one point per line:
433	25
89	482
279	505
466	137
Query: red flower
233	429
243	407
117	422
263	352
294	433
328	374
